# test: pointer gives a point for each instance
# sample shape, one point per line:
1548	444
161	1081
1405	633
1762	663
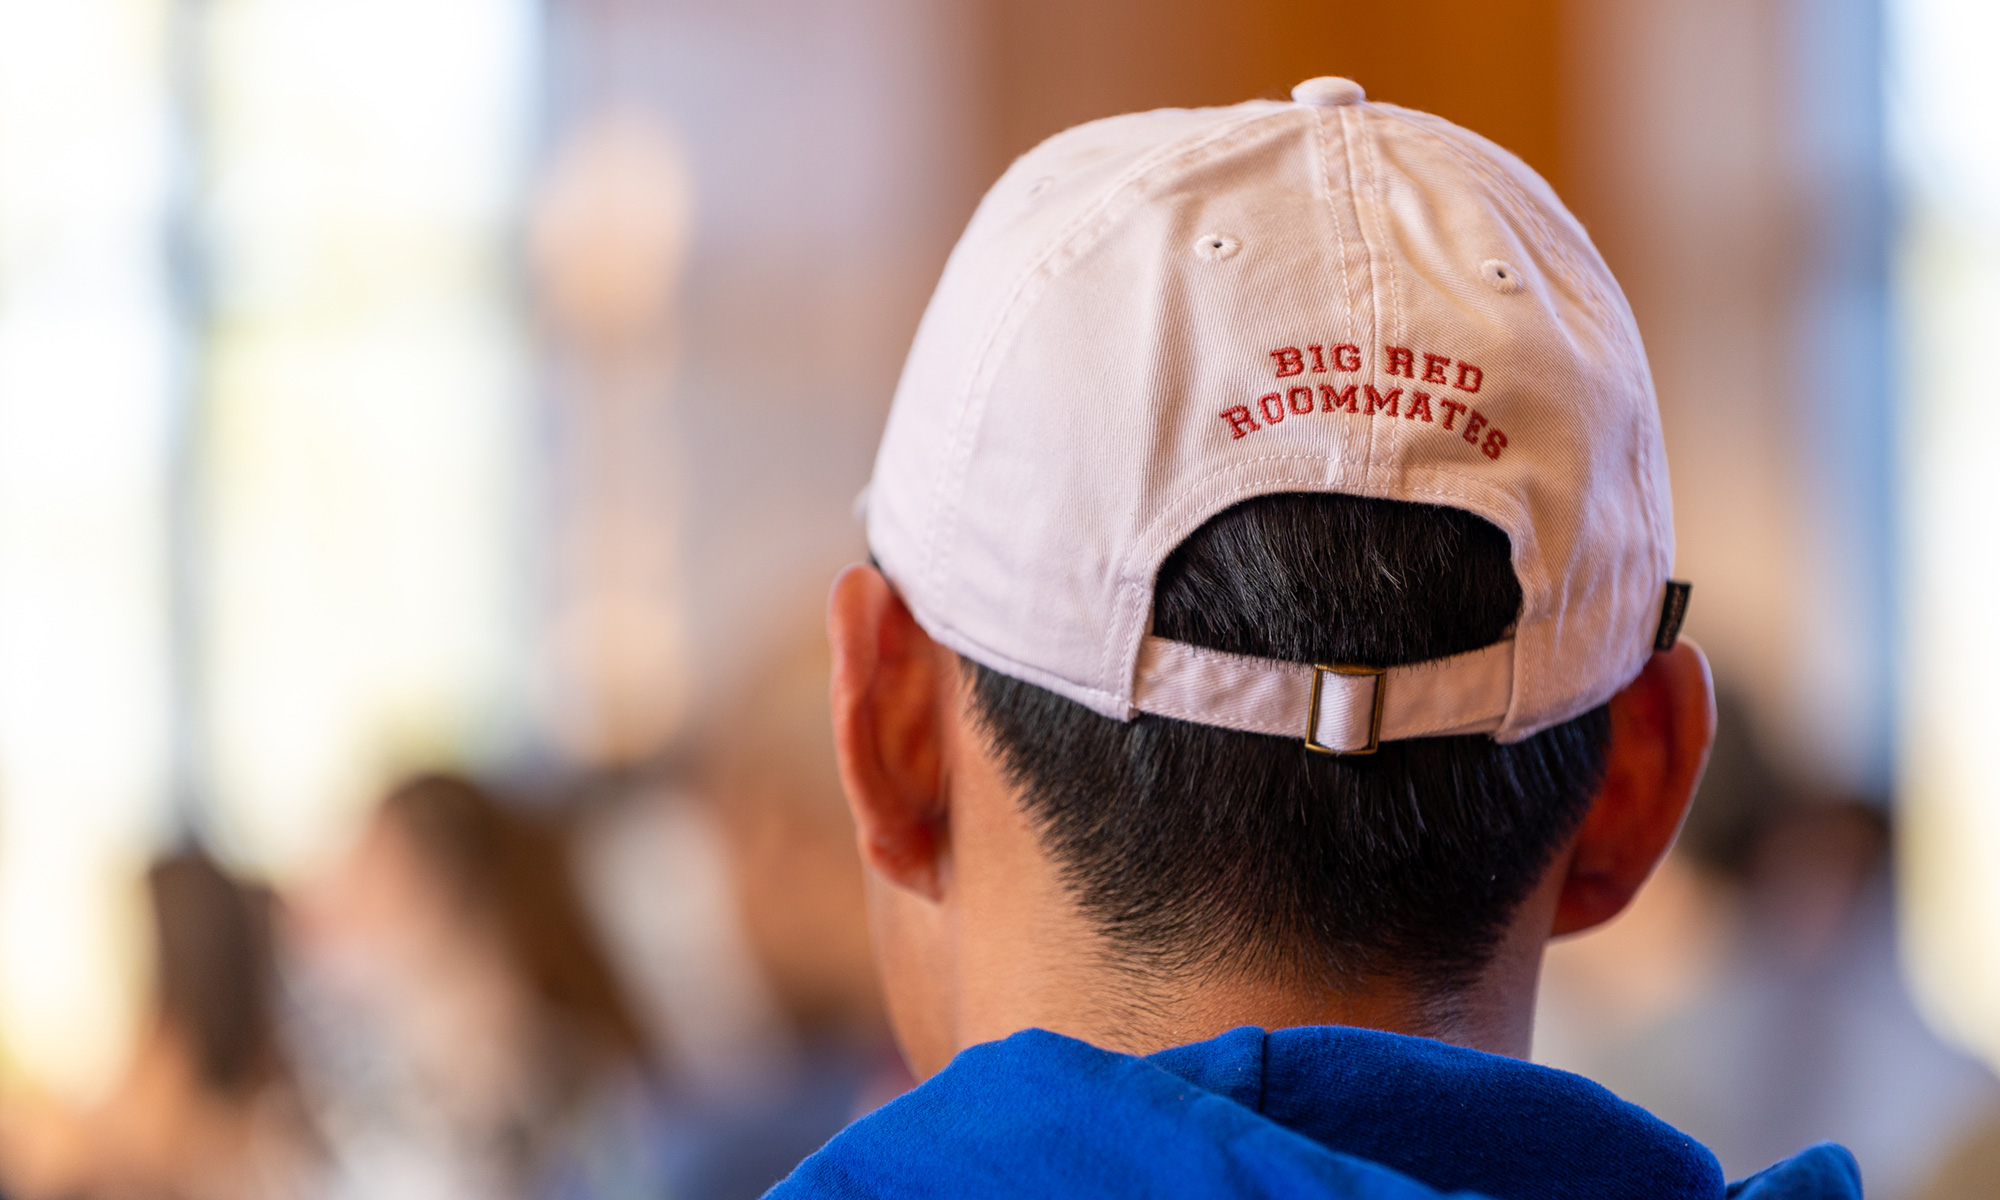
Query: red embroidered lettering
1290	361
1402	362
1332	401
1298	394
1272	415
1420	407
1478	376
1434	365
1495	442
1319	362
1378	402
1240	421
1473	424
1451	410
1347	358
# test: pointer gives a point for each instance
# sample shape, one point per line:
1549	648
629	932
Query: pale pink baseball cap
1156	316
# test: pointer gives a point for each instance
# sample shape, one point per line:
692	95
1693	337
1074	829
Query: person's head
216	968
477	945
1099	781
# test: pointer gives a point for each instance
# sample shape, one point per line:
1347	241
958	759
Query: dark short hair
1196	847
216	970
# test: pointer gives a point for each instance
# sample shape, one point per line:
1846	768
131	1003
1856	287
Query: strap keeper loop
1320	672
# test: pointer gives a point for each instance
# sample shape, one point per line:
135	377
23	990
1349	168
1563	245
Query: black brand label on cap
1673	610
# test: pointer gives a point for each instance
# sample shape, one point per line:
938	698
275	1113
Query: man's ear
888	730
1662	726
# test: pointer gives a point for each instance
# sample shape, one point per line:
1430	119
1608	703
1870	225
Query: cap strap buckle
1344	709
1320	672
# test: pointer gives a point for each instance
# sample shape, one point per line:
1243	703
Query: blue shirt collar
1322	1111
1452	1118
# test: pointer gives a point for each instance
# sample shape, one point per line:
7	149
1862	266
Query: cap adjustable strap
1337	709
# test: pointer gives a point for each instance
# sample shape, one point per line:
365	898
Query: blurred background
428	429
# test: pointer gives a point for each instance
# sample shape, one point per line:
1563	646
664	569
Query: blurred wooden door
1496	66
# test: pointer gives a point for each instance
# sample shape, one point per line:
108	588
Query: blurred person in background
461	1027
1753	994
209	1109
732	890
775	788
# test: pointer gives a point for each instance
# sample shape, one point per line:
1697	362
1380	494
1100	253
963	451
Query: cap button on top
1328	91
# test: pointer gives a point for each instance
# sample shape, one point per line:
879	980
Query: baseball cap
1154	317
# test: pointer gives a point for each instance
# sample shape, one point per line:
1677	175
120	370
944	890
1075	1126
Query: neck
1141	1011
1037	961
1027	956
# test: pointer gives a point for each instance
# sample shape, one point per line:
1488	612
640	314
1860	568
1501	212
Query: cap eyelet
1501	276
1216	246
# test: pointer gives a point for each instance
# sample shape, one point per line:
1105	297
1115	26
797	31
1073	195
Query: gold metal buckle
1320	670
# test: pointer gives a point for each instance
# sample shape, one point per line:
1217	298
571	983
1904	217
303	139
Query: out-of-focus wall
1725	155
1946	111
831	152
1495	67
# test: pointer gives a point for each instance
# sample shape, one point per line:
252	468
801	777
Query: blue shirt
1318	1111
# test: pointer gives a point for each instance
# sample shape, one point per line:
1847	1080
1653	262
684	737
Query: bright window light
366	405
1945	126
355	168
86	362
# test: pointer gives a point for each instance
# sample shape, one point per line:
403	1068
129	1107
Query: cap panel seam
1383	304
1580	279
1080	231
1609	309
1582	282
1378	203
978	377
1322	149
1135	618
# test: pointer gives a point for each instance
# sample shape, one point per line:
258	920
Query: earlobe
887	731
1662	726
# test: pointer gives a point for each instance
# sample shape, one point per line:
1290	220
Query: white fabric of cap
1153	317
